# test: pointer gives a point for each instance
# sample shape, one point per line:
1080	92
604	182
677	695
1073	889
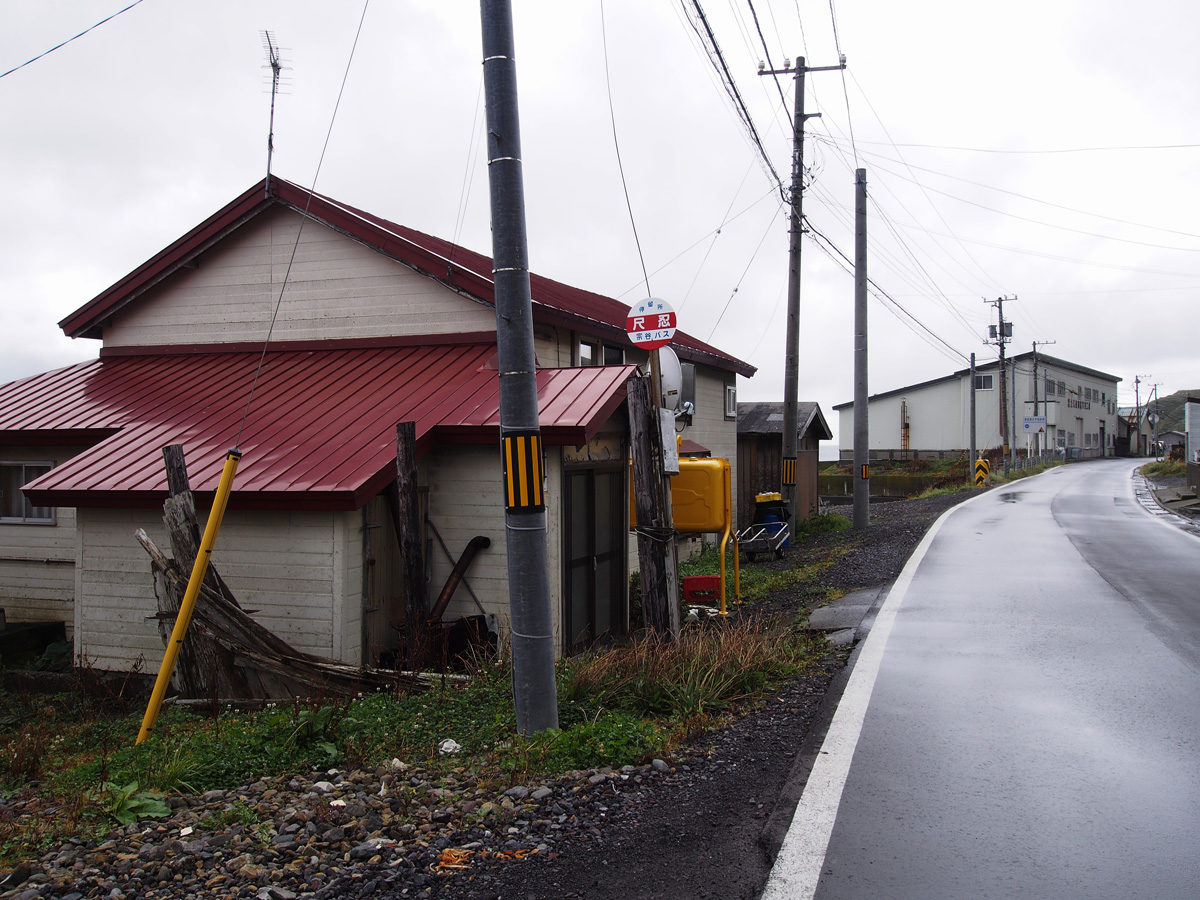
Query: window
984	382
14	505
730	401
593	353
1062	389
614	356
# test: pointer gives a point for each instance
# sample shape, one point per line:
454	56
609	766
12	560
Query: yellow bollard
188	605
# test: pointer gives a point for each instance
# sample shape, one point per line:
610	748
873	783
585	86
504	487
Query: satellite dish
672	378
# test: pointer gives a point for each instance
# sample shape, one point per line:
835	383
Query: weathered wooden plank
655	539
268	665
408	533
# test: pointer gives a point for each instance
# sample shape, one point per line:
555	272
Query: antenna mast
273	60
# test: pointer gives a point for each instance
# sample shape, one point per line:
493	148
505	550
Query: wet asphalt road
1034	726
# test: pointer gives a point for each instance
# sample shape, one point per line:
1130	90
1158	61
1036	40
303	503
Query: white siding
337	288
281	566
465	500
351	594
115	604
939	413
37	561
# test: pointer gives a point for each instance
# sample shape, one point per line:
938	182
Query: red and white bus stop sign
651	323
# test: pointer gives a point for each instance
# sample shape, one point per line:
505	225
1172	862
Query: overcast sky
1044	150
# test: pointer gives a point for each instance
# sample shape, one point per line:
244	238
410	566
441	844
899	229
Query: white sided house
379	325
933	419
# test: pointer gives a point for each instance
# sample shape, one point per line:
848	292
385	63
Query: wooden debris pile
227	654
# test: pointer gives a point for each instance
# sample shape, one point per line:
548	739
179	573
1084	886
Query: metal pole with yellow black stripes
530	614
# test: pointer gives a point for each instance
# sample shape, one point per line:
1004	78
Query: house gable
336	289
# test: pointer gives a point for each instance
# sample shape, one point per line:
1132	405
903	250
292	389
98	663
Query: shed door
594	556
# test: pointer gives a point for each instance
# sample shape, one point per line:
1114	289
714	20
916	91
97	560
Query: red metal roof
462	269
320	433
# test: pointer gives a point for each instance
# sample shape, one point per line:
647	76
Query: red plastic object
701	588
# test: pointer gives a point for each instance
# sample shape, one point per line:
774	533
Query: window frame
27	507
985	381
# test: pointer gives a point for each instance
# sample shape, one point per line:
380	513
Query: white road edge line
798	865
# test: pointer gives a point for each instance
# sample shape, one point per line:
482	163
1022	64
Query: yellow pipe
179	632
724	541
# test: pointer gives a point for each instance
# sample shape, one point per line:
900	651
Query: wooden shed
760	455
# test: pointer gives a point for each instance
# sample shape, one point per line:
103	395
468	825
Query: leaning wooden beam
204	669
269	664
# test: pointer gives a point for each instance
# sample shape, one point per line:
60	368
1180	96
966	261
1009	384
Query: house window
984	382
730	401
14	505
593	353
614	356
1062	389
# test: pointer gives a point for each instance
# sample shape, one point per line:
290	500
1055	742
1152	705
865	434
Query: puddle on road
1013	496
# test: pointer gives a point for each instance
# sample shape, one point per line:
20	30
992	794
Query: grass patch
759	581
1166	468
943	491
69	767
714	666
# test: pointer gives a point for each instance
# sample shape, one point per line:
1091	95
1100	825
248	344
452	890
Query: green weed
129	804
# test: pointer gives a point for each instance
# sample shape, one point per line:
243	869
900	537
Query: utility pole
974	448
791	359
1137	415
1001	334
1154	422
1037	441
530	615
862	484
1012	444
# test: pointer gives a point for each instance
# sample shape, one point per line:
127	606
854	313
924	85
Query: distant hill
1171	409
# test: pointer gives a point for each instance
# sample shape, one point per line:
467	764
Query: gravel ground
685	827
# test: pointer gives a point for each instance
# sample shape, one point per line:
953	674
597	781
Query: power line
718	60
68	40
1049	203
732	293
767	51
1061	150
617	149
837	45
822	239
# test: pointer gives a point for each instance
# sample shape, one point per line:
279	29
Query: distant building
933	419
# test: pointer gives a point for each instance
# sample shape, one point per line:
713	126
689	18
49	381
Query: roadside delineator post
982	472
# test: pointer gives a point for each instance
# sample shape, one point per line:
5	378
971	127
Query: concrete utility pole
1037	442
1001	334
791	360
1012	444
534	693
1137	416
1153	399
974	449
862	459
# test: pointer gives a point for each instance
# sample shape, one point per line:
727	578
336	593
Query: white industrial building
933	418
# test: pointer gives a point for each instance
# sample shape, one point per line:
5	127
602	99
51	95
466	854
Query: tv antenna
275	64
